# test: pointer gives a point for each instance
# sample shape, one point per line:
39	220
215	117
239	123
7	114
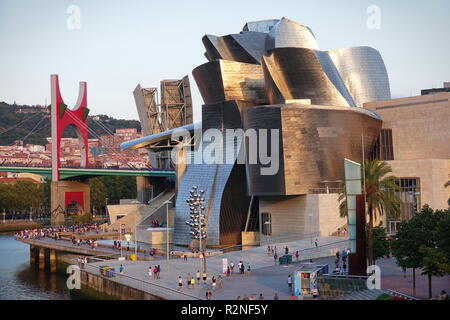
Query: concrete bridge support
52	260
41	259
32	255
144	189
64	193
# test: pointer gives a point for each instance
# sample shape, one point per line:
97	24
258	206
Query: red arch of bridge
62	117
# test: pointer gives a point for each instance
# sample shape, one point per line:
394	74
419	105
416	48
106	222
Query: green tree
422	231
435	264
380	243
443	241
98	193
381	190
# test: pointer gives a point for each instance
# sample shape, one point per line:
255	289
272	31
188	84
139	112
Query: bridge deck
66	173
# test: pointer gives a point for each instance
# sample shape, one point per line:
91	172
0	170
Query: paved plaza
265	278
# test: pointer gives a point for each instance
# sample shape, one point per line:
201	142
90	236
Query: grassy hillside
40	122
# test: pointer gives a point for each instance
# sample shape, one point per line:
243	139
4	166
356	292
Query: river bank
14	226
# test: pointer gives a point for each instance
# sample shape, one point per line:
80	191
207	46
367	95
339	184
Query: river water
21	281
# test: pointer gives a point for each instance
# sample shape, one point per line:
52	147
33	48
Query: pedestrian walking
261	297
121	269
204	277
297	255
275	257
198	276
219	283
316	242
249	270
289	283
228	272
231	267
180	283
188	280
208	295
150	273
213	279
276	297
193	283
315	293
242	268
268	250
158	271
286	250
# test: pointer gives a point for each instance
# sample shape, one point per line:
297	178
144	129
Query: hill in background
32	124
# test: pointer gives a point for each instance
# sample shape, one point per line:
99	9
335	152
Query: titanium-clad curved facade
297	73
272	75
225	189
314	140
223	80
290	34
363	72
357	75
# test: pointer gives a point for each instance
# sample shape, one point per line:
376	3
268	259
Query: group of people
82	261
154	273
79	242
156	224
342	232
260	297
54	232
240	268
341	260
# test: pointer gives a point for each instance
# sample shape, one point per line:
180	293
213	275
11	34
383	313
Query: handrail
142	284
401	295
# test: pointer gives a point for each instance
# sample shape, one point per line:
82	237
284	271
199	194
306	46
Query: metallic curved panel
297	73
148	141
330	70
363	72
226	48
290	34
226	208
313	139
223	80
260	26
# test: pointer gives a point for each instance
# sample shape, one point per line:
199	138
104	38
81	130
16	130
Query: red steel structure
62	117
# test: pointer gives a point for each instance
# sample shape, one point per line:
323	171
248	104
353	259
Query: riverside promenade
266	277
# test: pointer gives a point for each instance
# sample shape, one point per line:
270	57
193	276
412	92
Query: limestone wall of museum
433	173
297	217
420	125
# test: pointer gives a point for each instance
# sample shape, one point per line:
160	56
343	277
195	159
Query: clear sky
122	43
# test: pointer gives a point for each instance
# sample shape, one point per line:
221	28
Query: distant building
415	141
446	88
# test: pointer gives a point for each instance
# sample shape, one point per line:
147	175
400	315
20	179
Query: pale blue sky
122	43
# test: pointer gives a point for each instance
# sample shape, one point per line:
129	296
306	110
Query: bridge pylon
68	193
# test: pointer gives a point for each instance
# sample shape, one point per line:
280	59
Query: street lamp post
196	203
167	233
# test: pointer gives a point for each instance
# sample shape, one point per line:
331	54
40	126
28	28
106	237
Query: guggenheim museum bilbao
309	109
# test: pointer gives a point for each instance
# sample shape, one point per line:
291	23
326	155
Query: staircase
362	295
140	212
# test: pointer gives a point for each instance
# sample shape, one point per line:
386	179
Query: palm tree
381	190
447	184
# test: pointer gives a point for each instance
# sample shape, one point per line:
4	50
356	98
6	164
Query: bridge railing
18	165
144	286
